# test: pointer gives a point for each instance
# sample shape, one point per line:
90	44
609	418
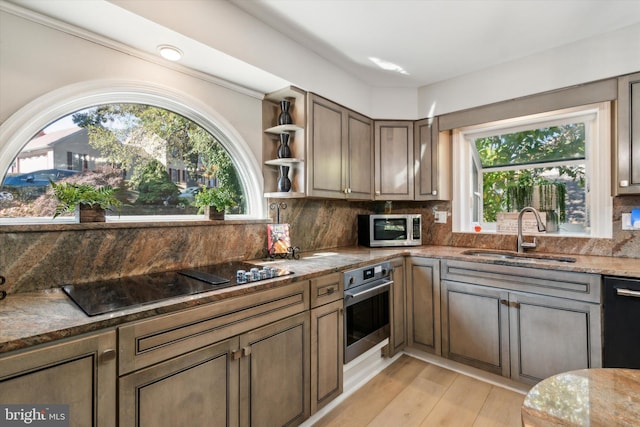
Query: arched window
157	150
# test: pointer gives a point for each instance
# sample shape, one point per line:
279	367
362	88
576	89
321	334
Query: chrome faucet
522	245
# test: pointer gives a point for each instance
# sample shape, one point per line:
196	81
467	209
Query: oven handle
375	288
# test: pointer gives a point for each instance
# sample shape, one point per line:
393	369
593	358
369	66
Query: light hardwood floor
411	392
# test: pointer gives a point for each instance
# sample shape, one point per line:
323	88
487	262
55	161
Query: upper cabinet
394	171
628	147
433	161
283	143
325	150
339	151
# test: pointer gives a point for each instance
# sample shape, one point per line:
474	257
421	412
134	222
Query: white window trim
20	127
598	166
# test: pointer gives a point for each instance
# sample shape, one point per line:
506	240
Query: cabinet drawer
326	289
148	342
564	284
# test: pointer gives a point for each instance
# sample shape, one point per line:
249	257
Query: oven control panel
363	275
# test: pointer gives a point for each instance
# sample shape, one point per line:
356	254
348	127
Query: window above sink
504	166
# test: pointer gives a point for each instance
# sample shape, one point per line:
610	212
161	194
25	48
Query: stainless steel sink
519	257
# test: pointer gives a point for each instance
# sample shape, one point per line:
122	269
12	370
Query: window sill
545	235
69	224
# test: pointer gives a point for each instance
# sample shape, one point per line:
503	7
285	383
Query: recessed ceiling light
171	53
386	65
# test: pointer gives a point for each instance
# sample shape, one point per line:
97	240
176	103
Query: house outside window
158	160
556	162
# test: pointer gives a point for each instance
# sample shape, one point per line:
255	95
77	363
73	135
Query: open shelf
277	130
283	162
297	142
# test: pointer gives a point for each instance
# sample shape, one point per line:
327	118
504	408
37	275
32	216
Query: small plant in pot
214	201
88	202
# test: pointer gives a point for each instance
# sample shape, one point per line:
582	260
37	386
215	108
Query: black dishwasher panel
621	322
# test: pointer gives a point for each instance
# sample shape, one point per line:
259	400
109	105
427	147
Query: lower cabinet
475	326
423	304
274	374
327	337
397	312
198	388
527	337
260	378
80	373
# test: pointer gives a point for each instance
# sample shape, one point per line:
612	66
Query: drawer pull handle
628	293
236	354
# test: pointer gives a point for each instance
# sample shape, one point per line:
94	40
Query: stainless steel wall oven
366	308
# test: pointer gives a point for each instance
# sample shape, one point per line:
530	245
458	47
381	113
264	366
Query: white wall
242	36
36	60
614	54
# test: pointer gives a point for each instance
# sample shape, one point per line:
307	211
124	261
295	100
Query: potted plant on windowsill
89	203
214	201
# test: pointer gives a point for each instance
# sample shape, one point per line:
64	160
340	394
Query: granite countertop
32	318
596	397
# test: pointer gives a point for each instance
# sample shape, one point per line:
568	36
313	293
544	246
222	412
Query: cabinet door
475	326
423	304
628	152
196	389
359	157
433	161
393	156
80	373
552	335
326	174
274	373
327	335
397	314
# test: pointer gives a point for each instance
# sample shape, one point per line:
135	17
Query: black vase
284	183
284	151
284	118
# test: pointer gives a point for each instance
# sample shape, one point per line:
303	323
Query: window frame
21	126
598	166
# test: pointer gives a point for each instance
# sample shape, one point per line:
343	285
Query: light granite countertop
587	397
32	318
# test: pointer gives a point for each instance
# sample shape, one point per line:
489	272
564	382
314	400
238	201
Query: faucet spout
522	245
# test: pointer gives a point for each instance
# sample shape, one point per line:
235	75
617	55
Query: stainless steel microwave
382	230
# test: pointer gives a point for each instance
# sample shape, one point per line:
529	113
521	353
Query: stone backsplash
41	257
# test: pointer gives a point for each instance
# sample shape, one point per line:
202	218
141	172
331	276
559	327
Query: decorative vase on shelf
284	151
284	183
284	118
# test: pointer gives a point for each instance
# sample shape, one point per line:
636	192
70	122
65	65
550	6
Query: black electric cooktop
112	295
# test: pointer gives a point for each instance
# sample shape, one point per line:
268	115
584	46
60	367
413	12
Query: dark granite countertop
32	318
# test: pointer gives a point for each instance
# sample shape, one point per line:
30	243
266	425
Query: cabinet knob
108	355
434	193
624	183
246	351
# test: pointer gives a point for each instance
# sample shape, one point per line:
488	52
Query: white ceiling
433	40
